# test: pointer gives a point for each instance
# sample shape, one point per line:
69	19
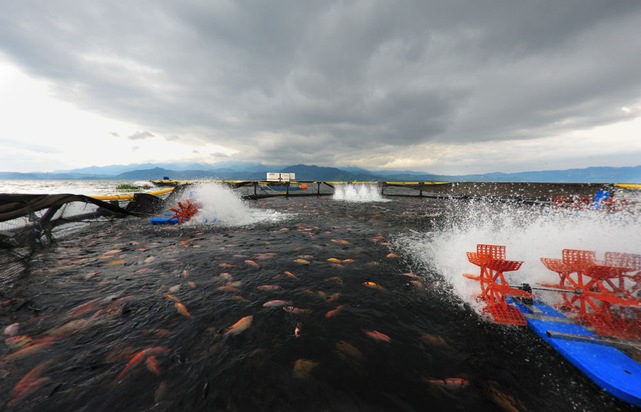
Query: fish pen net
33	220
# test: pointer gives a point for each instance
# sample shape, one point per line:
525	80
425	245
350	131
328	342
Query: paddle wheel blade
505	314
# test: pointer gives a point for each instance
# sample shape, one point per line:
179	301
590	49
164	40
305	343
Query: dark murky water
133	317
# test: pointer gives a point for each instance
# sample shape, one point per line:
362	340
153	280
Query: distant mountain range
245	171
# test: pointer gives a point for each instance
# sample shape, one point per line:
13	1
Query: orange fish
334	260
152	365
269	288
448	383
302	261
303	367
18	342
333	297
139	357
110	253
276	303
263	256
503	400
373	285
291	275
334	312
340	241
240	326
252	263
31	382
69	327
116	262
12	329
348	260
297	329
297	311
91	275
182	309
434	340
348	349
335	279
391	256
226	265
171	297
28	350
228	288
377	336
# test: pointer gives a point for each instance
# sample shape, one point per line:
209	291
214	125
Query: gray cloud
321	79
140	136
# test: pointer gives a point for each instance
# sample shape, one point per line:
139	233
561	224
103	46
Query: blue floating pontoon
597	357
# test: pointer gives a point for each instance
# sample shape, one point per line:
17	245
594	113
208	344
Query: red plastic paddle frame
185	211
494	289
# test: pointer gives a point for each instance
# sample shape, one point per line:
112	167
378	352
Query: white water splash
220	205
529	233
358	193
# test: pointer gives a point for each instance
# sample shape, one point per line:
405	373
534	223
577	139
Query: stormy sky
439	86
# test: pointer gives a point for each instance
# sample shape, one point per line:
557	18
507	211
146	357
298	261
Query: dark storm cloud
312	80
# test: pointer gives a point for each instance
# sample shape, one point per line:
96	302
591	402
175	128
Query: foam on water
220	205
358	193
529	233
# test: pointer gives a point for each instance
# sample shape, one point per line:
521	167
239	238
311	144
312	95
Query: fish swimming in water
448	383
334	312
333	297
69	327
303	367
240	326
182	309
297	329
340	241
335	279
252	263
301	261
291	275
503	400
30	383
139	357
269	288
334	260
297	311
12	330
152	365
346	348
276	303
373	285
28	350
171	297
18	342
434	340
377	336
228	288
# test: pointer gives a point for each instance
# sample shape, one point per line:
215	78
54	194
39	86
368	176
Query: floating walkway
266	188
524	192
